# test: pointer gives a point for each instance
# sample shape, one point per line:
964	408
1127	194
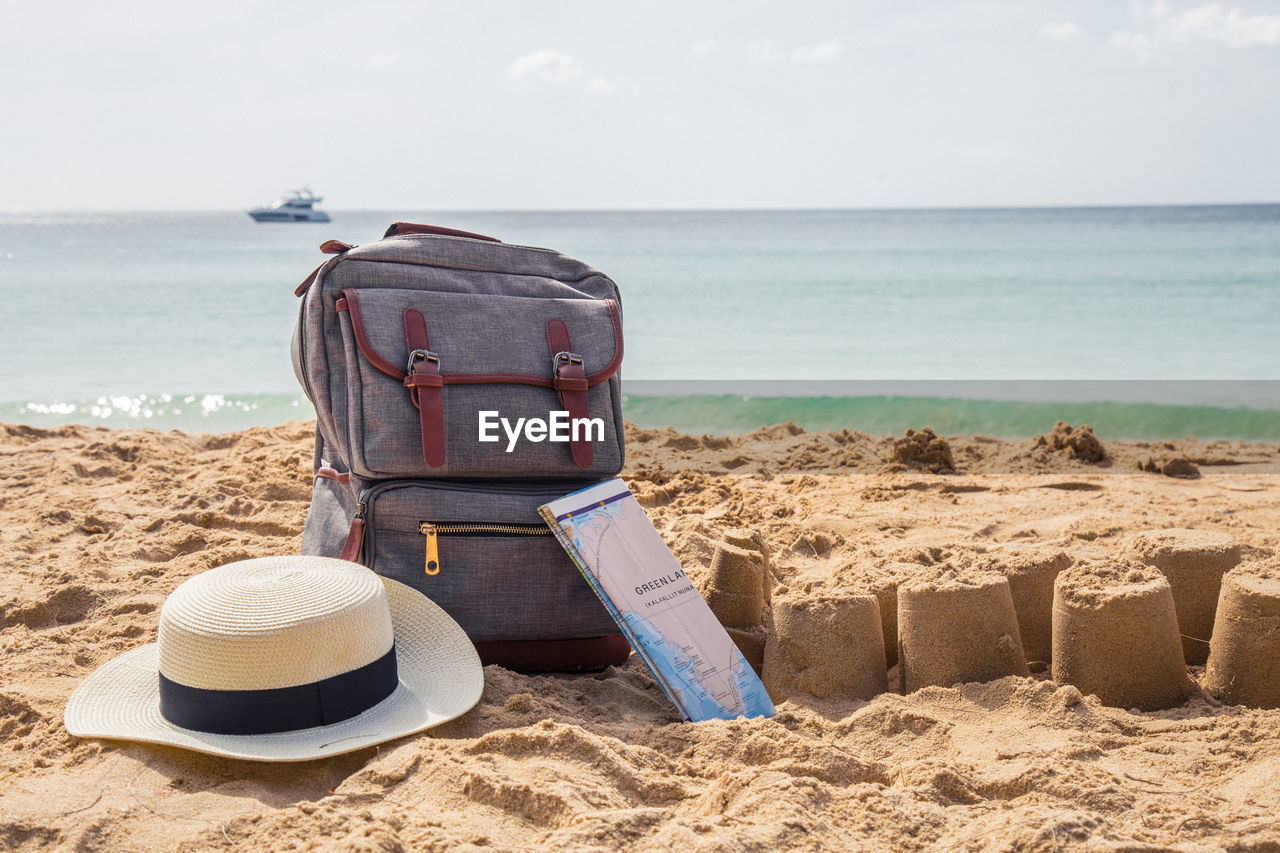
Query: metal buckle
416	354
566	357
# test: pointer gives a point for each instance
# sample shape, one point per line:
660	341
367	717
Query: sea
1145	322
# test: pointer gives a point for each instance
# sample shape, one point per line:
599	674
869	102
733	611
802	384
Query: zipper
365	520
433	532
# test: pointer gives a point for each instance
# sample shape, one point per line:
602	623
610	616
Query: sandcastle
1107	628
735	586
954	628
1031	574
737	591
1115	635
1244	657
886	594
826	645
1194	562
883	581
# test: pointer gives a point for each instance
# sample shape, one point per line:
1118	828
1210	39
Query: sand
1194	562
1244	661
1115	635
1031	571
1075	442
98	526
825	645
735	589
734	586
956	626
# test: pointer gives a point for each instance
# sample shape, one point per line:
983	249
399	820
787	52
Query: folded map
671	628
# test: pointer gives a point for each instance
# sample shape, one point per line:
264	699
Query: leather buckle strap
564	358
420	353
425	386
562	370
569	377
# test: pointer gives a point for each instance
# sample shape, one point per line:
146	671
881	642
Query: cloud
823	51
1062	31
384	60
552	66
992	152
762	52
1156	25
702	48
1139	44
1229	27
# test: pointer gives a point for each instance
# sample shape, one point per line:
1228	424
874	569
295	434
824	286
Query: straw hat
284	659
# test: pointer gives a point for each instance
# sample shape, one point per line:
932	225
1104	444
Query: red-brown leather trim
592	653
334	247
337	476
497	378
352	306
355	541
558	339
321	270
306	282
357	326
570	381
398	228
424	384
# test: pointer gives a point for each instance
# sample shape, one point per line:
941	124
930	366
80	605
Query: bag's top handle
337	247
398	228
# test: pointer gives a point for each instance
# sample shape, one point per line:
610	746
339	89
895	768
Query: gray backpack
412	349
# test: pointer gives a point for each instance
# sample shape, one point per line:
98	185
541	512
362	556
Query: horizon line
779	209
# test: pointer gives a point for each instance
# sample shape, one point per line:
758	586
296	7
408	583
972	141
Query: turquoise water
187	316
951	415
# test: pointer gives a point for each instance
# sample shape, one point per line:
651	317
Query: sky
568	104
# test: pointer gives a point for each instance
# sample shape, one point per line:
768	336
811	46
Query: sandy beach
100	525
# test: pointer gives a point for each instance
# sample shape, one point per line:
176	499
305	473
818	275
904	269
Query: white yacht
296	206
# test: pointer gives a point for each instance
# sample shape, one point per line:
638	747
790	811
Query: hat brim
440	678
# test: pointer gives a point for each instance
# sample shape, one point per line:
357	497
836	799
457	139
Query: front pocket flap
484	338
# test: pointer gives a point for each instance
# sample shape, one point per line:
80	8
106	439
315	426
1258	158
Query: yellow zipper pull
433	549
